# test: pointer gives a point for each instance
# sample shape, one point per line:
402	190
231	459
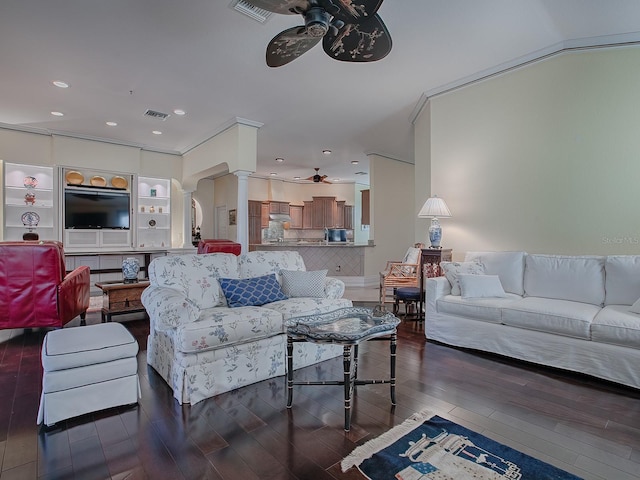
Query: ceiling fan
317	178
350	30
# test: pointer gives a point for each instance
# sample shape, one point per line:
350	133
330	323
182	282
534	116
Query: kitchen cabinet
348	217
279	208
296	214
264	216
324	212
255	214
307	215
366	201
339	219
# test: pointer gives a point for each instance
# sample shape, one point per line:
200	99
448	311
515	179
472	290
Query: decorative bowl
30	182
74	178
30	219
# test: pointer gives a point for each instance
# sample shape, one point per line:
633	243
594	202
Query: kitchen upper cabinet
307	215
264	206
296	213
279	208
348	217
255	221
339	219
366	205
324	212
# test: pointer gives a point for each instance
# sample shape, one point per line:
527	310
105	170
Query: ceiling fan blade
365	41
351	11
289	45
285	7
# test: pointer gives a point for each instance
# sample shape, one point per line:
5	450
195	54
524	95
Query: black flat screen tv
93	210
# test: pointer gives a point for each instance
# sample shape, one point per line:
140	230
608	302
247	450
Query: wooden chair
405	273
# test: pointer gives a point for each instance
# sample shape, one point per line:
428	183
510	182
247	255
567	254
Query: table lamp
433	208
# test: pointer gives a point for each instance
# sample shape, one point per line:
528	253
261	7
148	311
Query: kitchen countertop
310	244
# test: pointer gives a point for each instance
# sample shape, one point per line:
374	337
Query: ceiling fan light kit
349	32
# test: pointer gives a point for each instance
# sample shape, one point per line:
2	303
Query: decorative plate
119	182
30	182
30	219
152	223
74	178
98	181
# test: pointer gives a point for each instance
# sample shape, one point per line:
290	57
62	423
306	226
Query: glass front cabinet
154	213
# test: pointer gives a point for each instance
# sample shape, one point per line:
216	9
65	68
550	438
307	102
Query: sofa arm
437	287
74	294
333	288
168	308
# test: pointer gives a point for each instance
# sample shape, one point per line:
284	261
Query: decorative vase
435	233
130	270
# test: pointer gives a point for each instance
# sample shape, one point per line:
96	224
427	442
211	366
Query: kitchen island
341	259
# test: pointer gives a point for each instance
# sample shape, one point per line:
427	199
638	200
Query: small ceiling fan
317	178
350	30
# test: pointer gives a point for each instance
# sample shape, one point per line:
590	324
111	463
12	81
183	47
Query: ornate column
186	219
242	215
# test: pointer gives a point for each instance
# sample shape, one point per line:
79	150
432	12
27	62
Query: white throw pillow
509	266
480	286
296	283
635	308
451	270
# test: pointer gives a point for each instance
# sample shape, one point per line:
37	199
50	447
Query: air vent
360	173
251	11
154	114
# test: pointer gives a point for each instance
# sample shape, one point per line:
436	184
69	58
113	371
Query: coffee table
348	327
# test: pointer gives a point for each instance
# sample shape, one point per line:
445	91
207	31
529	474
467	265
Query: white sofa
202	347
578	313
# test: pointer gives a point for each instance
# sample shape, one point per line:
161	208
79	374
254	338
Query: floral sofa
202	346
578	313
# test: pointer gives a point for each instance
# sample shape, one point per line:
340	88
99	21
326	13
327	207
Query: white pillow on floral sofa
453	269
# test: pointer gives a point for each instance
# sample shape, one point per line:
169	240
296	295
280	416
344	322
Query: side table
430	259
119	298
347	327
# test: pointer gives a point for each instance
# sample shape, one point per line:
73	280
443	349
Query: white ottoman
87	369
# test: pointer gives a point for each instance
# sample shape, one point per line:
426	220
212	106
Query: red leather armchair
219	245
35	290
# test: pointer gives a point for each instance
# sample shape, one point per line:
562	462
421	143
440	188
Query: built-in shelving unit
153	213
29	202
102	185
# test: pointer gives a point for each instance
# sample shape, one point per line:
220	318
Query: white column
242	215
186	220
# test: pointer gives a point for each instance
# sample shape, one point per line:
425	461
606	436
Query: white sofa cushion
562	317
451	270
622	279
485	309
615	324
480	286
195	276
509	266
576	278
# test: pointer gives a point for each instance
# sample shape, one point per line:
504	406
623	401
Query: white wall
544	158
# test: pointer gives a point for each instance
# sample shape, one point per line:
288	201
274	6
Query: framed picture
153	192
232	217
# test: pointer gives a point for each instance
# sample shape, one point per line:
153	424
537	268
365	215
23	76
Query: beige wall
542	159
392	215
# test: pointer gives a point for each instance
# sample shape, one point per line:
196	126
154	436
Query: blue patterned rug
429	447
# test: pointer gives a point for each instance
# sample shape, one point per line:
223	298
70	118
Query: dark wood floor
587	427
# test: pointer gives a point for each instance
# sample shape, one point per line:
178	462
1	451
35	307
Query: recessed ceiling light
57	114
112	124
60	84
279	160
273	174
178	111
336	179
157	132
326	152
296	178
354	162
